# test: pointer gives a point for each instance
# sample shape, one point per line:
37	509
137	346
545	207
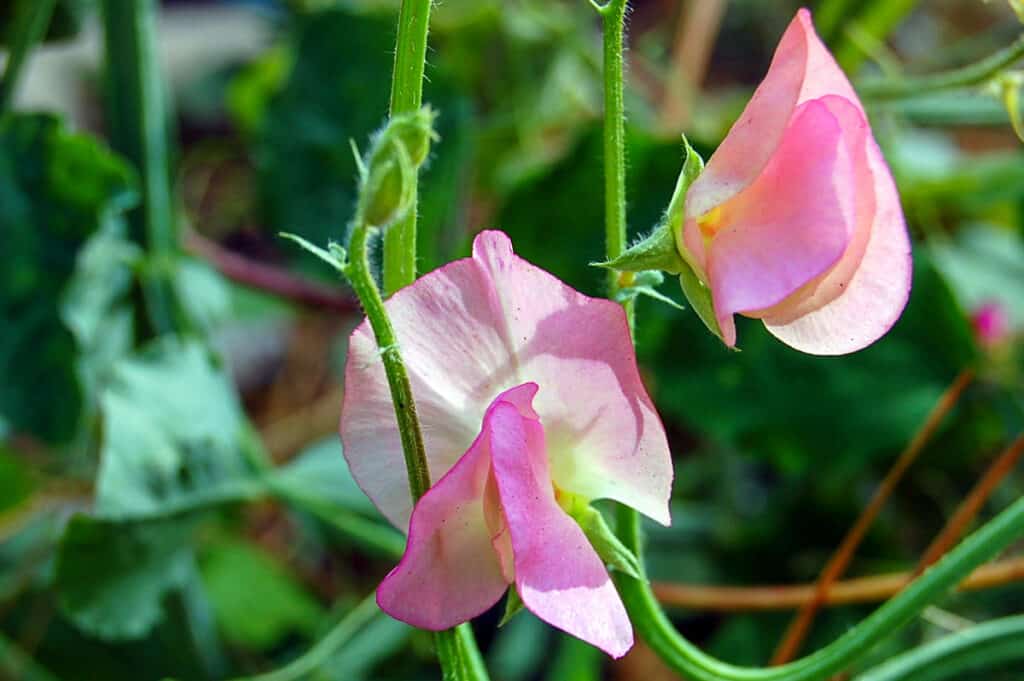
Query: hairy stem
406	96
613	17
358	273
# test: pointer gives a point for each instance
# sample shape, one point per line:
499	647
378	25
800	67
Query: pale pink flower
528	393
796	219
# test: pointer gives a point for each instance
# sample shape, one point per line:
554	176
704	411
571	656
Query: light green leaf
173	435
320	472
235	570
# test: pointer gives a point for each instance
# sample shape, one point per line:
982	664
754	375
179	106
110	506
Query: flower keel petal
558	575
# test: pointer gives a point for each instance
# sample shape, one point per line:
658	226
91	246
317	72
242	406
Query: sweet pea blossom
796	219
529	400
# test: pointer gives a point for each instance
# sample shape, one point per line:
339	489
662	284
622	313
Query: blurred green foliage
154	525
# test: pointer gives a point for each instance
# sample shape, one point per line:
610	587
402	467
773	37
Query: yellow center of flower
710	222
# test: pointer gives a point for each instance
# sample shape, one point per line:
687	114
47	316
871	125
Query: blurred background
173	499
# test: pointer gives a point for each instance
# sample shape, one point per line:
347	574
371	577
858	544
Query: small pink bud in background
796	219
991	324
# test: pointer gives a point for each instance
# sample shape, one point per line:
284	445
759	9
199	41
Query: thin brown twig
972	504
840	560
859	590
268	278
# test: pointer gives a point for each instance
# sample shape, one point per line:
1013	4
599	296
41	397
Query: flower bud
389	170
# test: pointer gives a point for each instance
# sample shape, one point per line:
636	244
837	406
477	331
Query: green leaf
334	255
173	439
112	576
65	23
164	450
235	570
59	191
320	472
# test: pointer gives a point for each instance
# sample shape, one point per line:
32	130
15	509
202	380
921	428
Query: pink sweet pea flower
528	394
796	220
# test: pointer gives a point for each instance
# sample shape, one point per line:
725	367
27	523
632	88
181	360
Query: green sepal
693	166
645	284
699	297
334	255
611	550
513	605
388	173
696	291
660	250
656	252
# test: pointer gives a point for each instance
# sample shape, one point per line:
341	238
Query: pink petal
450	571
606	438
802	69
558	575
773	239
875	294
478	326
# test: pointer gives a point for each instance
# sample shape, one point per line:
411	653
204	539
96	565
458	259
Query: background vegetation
173	500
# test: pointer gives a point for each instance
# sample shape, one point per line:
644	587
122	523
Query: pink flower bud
796	219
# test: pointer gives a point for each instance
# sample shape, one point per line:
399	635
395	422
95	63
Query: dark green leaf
58	190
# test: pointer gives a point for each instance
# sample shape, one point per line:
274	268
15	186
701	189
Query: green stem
358	273
138	123
455	648
406	96
688	660
29	27
613	16
320	654
972	74
980	647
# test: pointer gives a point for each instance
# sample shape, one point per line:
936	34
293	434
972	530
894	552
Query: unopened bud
389	178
